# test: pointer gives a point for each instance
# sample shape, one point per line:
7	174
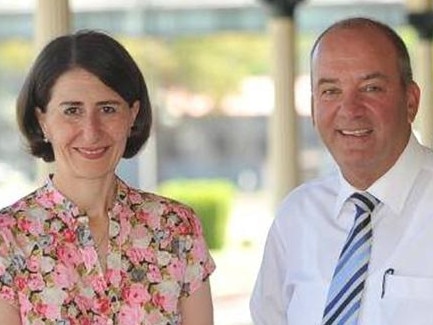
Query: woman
86	248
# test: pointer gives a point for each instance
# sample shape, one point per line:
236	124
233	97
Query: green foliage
214	65
211	199
217	64
15	55
155	59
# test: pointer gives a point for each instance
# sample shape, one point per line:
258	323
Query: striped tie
345	293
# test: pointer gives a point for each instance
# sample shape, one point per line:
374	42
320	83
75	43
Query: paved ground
238	262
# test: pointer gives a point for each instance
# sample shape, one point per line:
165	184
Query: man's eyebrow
375	75
327	81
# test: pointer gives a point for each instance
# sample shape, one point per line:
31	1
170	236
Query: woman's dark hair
98	54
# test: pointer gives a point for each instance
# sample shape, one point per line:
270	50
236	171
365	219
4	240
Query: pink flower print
69	235
90	257
149	255
98	284
43	310
25	304
102	305
49	199
131	315
153	220
23	224
99	320
176	269
33	263
64	277
7	294
199	250
68	254
139	232
40	308
36	282
135	198
184	229
20	282
36	226
6	221
136	294
83	302
122	213
155	317
154	274
113	277
165	302
125	230
136	255
52	311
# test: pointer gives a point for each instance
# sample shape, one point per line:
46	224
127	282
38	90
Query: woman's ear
40	116
134	111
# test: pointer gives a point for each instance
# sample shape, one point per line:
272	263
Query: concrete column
421	16
283	135
52	20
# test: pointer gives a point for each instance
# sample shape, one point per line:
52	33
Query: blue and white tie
345	293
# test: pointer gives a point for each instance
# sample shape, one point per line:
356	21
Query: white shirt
312	224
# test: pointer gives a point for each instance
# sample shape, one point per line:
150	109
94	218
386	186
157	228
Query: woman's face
87	124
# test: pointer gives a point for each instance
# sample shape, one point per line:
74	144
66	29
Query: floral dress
50	270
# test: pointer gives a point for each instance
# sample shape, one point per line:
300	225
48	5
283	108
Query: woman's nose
91	127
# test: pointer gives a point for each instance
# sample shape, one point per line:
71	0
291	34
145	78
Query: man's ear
313	120
413	97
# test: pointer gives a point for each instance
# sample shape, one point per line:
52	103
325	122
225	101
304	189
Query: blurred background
229	85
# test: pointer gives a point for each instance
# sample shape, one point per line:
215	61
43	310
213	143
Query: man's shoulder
317	191
324	185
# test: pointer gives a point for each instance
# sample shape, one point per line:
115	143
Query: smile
92	153
356	133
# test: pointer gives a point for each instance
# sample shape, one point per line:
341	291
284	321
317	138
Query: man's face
361	108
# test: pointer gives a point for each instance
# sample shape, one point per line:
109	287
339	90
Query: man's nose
352	104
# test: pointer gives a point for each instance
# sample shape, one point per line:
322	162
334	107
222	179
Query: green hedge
211	199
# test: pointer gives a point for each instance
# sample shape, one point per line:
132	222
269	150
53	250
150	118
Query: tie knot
364	201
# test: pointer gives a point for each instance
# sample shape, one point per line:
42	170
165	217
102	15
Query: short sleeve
199	262
10	263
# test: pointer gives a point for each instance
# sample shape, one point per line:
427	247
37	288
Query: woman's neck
93	196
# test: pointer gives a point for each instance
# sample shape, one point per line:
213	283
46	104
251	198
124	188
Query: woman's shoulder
156	206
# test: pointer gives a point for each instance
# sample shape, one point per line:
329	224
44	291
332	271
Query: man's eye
330	91
372	88
73	110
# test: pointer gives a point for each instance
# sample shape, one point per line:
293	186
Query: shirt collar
393	188
49	195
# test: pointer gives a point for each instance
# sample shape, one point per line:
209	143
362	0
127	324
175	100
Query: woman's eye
109	109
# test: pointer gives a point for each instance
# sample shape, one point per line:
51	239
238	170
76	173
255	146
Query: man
364	101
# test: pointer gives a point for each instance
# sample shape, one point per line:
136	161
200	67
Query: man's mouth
357	132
